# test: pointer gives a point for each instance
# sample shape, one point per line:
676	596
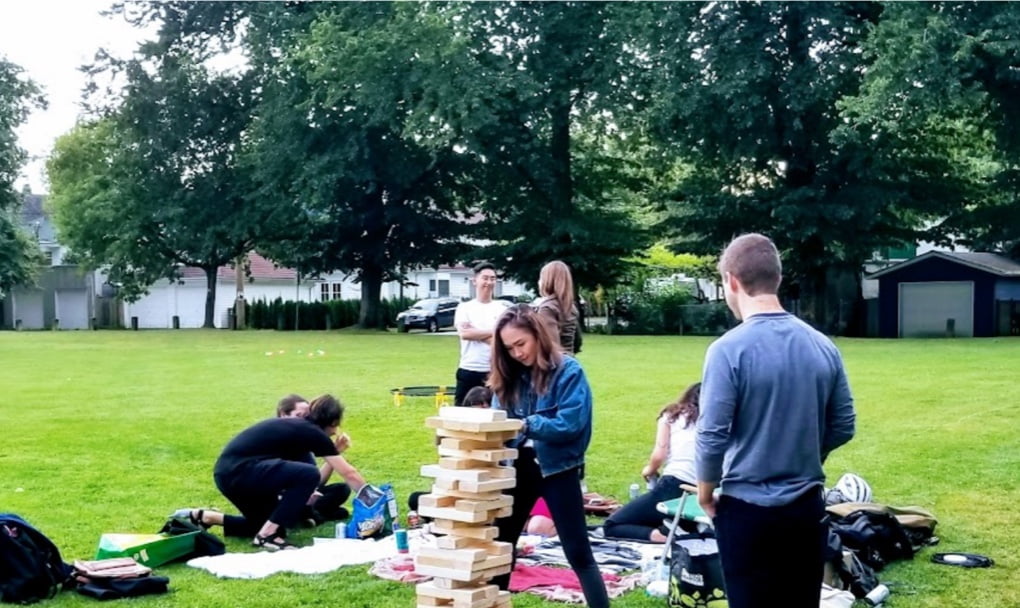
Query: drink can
413	520
401	535
341	530
635	490
650	482
877	595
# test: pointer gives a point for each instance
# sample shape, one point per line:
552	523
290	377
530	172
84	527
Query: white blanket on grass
326	555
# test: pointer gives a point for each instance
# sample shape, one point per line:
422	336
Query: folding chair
686	507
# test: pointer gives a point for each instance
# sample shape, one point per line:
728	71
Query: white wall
460	285
27	305
71	308
187	301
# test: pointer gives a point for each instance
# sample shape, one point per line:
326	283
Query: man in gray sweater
774	402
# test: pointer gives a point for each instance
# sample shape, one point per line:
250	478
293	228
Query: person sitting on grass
264	471
674	446
325	503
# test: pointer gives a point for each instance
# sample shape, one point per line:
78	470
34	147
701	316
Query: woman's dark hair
505	377
325	411
479	395
287	404
687	406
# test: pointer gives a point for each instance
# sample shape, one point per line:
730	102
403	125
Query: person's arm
718	404
346	470
840	418
467	331
660	451
573	407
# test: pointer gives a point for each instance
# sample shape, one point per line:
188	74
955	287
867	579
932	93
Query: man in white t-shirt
475	320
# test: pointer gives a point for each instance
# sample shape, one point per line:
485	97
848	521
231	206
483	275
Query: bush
669	311
334	314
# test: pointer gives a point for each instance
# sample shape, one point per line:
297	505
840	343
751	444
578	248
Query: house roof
992	263
261	268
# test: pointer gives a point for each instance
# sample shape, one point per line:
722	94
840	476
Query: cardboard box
149	549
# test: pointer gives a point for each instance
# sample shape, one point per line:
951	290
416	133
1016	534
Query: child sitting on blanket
540	521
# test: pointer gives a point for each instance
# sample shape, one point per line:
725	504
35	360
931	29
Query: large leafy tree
943	84
333	145
748	103
157	185
539	96
19	256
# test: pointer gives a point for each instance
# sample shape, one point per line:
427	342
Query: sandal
273	542
195	516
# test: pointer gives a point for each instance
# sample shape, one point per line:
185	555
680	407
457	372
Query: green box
149	549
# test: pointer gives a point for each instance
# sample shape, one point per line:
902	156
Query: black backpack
876	537
30	565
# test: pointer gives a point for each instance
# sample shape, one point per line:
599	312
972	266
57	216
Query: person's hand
707	502
342	442
648	472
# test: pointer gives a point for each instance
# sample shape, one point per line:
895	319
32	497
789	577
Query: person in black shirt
265	472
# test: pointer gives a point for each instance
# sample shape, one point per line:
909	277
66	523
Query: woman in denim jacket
535	382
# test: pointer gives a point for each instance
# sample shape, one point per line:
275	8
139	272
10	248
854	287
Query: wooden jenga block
467	530
472	414
491	436
472	426
467	504
472	593
461	463
486	455
436	489
454	443
472	475
460	542
490	485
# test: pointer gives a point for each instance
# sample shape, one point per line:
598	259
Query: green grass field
110	431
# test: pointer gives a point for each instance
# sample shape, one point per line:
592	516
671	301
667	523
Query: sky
49	40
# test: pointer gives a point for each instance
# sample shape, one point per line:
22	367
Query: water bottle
876	596
635	490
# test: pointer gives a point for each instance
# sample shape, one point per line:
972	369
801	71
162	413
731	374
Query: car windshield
425	305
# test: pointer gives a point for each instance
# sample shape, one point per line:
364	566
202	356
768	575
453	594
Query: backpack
876	537
918	523
31	568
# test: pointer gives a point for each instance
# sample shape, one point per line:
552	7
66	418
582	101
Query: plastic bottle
876	596
401	536
413	520
635	491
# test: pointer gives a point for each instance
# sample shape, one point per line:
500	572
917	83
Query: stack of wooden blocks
465	500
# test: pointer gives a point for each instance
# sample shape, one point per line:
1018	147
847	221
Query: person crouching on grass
535	382
265	472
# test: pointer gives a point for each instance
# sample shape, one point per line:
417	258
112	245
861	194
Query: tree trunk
210	296
562	192
371	286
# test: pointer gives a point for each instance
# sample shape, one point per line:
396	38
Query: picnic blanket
326	555
562	585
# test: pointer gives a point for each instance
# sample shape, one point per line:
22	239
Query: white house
441	281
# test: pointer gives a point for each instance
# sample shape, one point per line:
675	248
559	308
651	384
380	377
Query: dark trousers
639	517
467	380
562	492
273	490
772	556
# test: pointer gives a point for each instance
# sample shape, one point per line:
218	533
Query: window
329	291
439	288
324	292
336	291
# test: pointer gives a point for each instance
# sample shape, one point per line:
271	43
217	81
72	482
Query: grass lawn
110	431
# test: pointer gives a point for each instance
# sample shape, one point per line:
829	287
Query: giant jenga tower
464	502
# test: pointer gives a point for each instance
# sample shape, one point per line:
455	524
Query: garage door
925	307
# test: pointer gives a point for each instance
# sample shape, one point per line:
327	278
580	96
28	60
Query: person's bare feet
657	537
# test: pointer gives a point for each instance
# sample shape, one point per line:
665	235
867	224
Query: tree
538	96
749	101
943	86
19	255
156	185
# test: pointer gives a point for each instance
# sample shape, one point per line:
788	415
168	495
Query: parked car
431	314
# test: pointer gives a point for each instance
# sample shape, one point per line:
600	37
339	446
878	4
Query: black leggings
639	517
467	380
273	490
562	492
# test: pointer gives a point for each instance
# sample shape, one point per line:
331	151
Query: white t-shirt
476	355
680	463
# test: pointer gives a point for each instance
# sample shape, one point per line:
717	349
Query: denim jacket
558	422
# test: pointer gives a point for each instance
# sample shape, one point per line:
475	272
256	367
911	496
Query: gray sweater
774	402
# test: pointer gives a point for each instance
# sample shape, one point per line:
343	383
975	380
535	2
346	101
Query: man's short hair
484	266
754	261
